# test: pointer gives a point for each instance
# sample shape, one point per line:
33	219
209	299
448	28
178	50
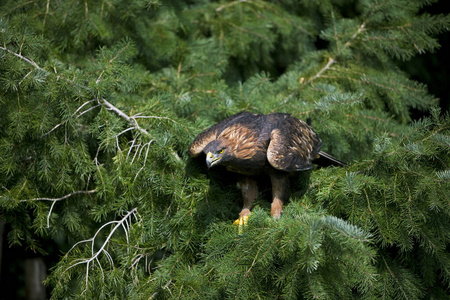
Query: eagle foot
241	222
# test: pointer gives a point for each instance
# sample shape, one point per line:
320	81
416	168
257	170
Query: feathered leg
249	189
280	193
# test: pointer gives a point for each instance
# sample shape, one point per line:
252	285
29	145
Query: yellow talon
241	222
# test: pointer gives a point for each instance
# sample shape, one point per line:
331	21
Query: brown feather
201	141
243	140
251	144
293	146
212	133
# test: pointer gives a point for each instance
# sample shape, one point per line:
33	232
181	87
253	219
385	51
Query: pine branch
138	116
76	111
124	223
110	62
330	62
333	60
230	4
54	200
47	8
399	285
70	116
132	120
26	59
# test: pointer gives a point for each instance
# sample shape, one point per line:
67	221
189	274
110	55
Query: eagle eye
220	151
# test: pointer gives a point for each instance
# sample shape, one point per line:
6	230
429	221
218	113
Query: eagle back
293	145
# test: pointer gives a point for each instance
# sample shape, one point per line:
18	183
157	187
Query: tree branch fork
124	223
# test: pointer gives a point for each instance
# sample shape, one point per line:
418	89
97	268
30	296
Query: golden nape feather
251	144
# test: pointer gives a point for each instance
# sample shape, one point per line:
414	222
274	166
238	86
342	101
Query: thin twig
131	120
331	60
145	159
230	4
110	62
54	200
30	61
61	198
46	13
95	255
76	111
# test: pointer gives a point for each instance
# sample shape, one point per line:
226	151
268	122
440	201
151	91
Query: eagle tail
326	160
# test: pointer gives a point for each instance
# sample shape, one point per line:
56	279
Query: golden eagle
251	144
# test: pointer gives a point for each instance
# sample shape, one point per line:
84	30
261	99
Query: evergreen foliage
100	100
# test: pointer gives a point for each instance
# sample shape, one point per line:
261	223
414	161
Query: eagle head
217	152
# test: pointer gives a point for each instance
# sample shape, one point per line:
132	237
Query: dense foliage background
101	99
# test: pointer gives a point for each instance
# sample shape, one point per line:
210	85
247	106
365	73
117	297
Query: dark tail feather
326	160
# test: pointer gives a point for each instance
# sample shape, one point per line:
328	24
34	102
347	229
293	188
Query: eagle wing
293	145
212	133
203	139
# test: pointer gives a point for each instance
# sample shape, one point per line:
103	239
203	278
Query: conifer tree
101	99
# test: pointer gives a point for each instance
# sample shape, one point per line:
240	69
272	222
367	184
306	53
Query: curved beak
211	159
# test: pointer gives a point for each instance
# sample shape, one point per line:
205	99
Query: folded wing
293	146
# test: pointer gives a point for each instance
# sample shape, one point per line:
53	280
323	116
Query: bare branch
95	255
54	200
57	125
128	129
61	198
131	120
87	110
30	61
25	77
145	160
132	145
331	61
46	12
78	109
81	106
